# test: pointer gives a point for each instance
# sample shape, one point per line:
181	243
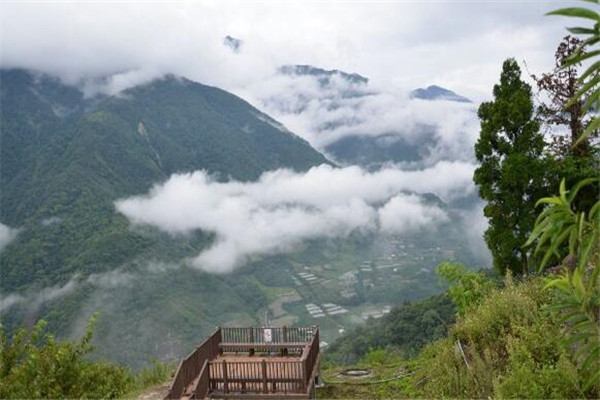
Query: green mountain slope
69	158
65	159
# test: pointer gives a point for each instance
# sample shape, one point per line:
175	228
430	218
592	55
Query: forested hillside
60	178
66	158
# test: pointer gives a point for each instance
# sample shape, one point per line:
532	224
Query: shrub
507	346
34	365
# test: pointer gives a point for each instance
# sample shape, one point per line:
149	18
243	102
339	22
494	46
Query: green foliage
37	366
508	346
560	223
154	374
512	173
578	306
388	379
405	329
589	81
377	357
467	288
73	167
578	285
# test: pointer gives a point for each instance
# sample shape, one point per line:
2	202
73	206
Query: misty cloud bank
412	44
284	208
325	111
33	300
7	235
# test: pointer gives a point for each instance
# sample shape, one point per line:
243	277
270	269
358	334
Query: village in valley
337	296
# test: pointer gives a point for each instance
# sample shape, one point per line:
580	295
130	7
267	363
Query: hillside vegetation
537	334
35	365
508	345
65	159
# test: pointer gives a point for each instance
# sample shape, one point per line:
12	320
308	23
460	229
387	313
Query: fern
559	225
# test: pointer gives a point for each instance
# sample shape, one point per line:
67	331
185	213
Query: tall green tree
512	174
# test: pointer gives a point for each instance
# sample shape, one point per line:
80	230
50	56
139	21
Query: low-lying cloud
283	208
33	300
7	235
323	112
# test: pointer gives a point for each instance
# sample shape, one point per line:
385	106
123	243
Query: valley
75	254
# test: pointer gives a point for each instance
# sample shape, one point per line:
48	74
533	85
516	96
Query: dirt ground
155	393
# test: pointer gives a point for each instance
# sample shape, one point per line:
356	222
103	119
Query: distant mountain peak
435	92
322	74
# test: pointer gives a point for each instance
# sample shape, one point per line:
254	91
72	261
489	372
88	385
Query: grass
390	377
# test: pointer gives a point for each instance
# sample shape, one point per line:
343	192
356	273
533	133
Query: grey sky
457	44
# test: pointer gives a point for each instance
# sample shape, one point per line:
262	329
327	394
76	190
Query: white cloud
7	235
111	279
474	225
324	113
55	292
407	213
35	299
283	208
12	299
454	44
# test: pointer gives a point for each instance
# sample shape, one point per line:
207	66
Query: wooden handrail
199	373
190	366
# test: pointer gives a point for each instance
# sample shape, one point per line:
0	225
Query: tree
574	154
34	365
559	86
590	78
512	174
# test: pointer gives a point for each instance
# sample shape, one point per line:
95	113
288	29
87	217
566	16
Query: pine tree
512	174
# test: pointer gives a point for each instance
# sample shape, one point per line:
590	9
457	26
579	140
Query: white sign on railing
268	335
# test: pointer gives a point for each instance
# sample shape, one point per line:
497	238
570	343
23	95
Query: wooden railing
258	335
201	371
310	358
203	383
261	376
191	366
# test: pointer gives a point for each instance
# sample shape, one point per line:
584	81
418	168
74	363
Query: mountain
369	151
438	93
323	75
358	123
67	157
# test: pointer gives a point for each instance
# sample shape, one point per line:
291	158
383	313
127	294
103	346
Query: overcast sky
456	44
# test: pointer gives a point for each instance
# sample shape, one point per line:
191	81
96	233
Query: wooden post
225	383
302	373
219	340
252	340
264	376
284	350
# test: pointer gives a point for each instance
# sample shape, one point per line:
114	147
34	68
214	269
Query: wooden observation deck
251	363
